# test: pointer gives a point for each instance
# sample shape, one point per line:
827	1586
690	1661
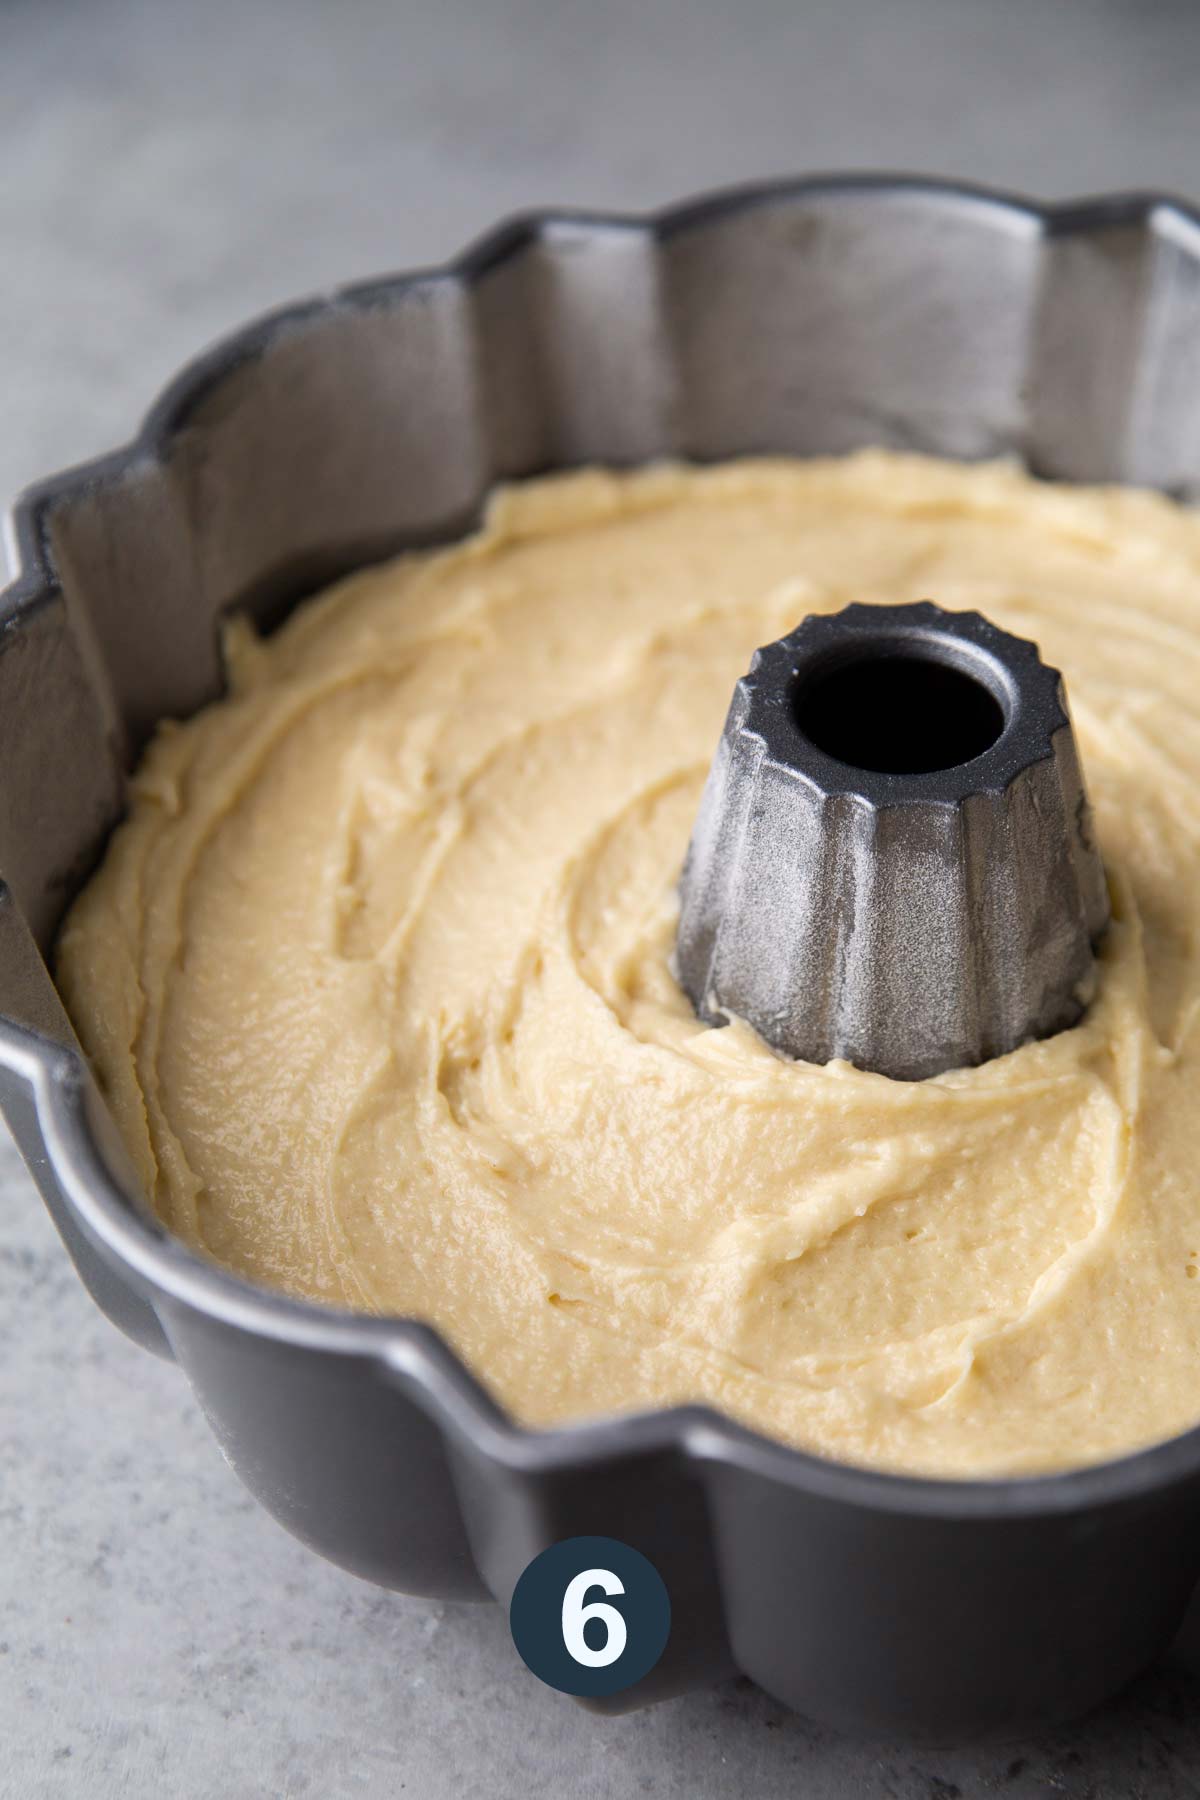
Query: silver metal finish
808	316
893	861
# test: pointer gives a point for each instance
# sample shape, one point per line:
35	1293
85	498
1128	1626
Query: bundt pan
810	316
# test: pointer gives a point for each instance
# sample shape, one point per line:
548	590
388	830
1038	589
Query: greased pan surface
811	316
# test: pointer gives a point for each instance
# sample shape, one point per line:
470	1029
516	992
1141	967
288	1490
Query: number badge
590	1616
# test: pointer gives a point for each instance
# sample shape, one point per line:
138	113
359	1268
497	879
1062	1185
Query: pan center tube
893	860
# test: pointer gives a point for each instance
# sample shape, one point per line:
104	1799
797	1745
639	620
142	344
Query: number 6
575	1616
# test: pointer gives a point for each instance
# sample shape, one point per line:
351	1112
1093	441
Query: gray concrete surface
166	170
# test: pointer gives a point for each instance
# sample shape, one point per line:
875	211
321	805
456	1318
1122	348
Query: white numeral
575	1616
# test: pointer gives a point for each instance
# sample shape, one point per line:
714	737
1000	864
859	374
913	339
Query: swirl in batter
375	976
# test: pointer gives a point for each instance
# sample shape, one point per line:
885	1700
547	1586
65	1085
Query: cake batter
375	977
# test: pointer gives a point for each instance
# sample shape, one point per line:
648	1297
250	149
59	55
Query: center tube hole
897	713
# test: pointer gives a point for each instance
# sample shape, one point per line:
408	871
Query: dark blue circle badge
590	1616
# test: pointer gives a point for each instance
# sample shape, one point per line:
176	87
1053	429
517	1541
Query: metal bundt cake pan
804	317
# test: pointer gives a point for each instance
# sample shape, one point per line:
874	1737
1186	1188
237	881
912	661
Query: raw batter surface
375	978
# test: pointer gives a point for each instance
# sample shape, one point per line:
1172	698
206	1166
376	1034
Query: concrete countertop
167	171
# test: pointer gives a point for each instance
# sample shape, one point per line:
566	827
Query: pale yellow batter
375	977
